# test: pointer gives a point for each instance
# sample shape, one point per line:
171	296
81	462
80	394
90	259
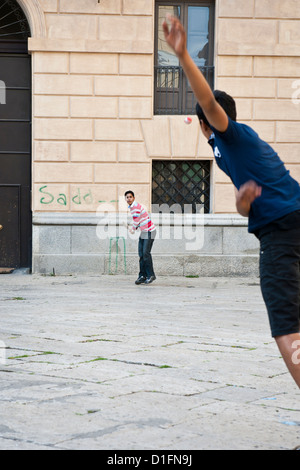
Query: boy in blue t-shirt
265	192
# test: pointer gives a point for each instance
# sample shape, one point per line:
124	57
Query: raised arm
176	38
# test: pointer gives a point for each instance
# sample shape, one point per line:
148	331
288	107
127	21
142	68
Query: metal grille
173	95
13	22
183	182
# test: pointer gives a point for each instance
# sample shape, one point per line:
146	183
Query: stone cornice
83	45
116	219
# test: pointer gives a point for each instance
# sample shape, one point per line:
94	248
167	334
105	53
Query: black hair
129	192
225	101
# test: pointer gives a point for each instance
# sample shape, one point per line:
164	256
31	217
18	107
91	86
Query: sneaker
150	279
140	280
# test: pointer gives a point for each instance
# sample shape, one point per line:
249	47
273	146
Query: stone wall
258	63
94	132
214	245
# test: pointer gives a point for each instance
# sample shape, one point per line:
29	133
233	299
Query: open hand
250	191
175	35
247	193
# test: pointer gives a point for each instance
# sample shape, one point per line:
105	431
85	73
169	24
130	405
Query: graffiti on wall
79	197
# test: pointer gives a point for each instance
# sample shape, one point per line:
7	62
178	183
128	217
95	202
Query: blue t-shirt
243	156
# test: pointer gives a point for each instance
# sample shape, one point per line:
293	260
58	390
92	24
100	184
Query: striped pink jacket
141	218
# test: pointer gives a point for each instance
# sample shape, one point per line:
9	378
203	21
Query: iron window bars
173	96
183	182
172	92
13	22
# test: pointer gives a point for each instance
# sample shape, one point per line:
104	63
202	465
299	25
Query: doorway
15	138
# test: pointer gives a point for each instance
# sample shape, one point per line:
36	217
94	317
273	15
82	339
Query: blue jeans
145	245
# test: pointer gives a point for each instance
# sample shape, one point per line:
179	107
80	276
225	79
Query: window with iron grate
13	23
172	92
182	182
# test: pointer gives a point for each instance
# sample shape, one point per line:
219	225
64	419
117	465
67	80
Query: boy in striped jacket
142	220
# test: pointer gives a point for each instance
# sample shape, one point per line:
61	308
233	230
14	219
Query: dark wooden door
10	226
15	159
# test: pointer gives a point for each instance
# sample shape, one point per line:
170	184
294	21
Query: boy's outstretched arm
176	38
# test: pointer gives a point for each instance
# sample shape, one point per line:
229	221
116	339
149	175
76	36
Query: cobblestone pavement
100	363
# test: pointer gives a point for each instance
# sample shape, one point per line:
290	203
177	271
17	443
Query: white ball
188	120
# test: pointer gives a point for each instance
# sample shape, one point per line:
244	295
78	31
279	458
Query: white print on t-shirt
217	153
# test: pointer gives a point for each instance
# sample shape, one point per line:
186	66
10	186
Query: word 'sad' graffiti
80	197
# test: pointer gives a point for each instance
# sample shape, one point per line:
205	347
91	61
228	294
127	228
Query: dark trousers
145	245
280	279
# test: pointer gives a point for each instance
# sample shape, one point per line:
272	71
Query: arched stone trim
35	17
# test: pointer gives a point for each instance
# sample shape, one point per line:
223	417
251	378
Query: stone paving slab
182	364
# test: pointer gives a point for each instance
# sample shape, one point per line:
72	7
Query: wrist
183	56
243	207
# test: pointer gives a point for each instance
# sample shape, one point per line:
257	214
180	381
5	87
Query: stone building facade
95	133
